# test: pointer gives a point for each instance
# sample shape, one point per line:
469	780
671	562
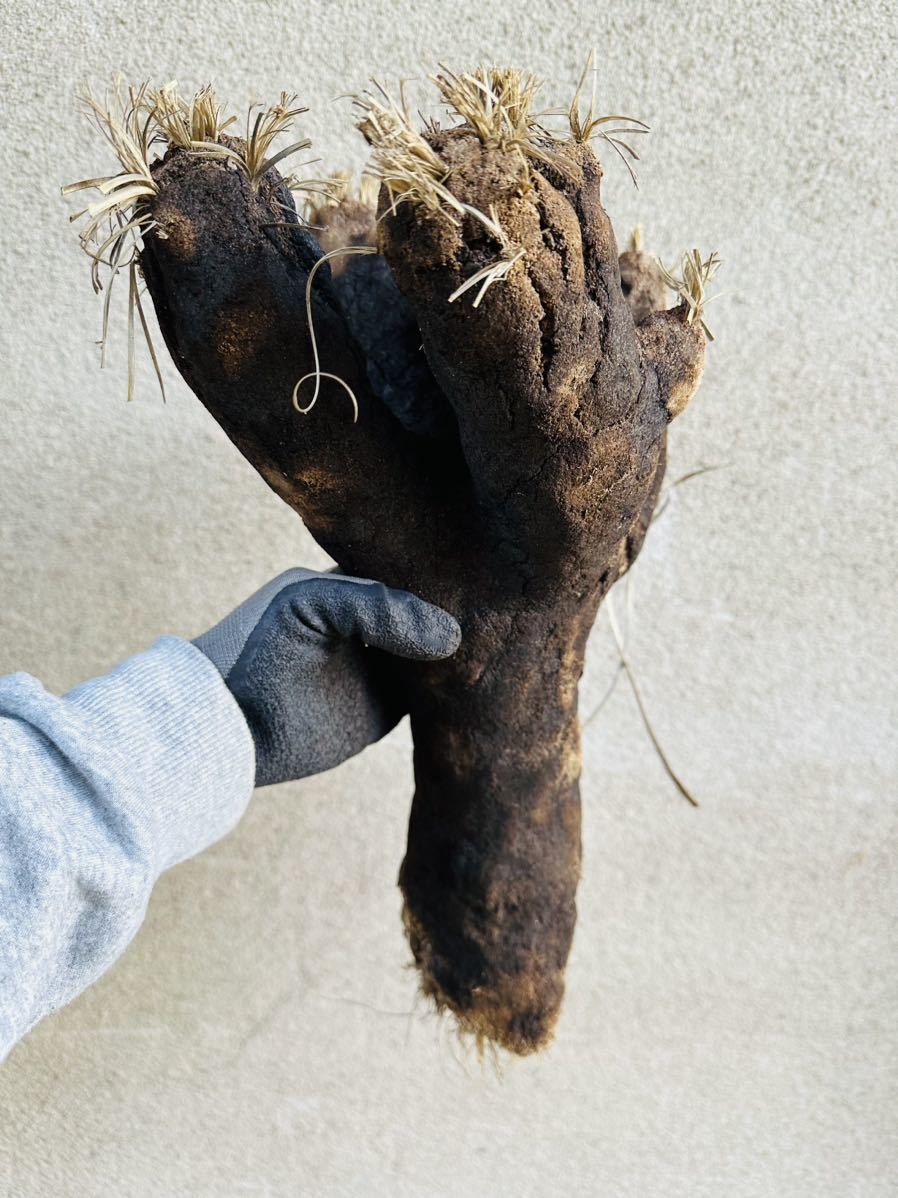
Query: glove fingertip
439	635
451	638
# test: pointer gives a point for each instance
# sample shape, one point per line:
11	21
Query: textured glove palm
300	657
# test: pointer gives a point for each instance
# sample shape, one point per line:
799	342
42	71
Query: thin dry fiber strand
317	373
624	664
640	703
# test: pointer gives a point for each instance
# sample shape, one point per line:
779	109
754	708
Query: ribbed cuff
186	760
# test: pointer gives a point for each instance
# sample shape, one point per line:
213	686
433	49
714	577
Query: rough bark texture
505	464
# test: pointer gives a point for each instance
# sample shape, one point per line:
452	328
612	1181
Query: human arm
128	774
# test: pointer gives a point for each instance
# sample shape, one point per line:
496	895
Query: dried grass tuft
254	156
586	126
114	223
122	120
497	104
405	162
344	187
140	123
190	124
691	284
402	158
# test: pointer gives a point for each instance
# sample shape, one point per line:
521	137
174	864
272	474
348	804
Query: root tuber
505	463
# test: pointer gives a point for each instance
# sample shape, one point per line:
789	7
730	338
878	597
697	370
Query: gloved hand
297	656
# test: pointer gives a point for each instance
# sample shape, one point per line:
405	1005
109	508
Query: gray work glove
300	658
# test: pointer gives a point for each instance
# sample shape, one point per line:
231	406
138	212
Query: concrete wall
730	1024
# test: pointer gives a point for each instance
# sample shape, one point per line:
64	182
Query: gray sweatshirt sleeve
100	791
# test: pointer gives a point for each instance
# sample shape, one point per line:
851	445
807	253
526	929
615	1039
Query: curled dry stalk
316	372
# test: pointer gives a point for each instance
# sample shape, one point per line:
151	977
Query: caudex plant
463	390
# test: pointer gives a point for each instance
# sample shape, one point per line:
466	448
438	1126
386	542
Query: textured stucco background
730	1022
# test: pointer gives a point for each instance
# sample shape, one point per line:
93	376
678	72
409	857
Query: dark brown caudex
505	464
